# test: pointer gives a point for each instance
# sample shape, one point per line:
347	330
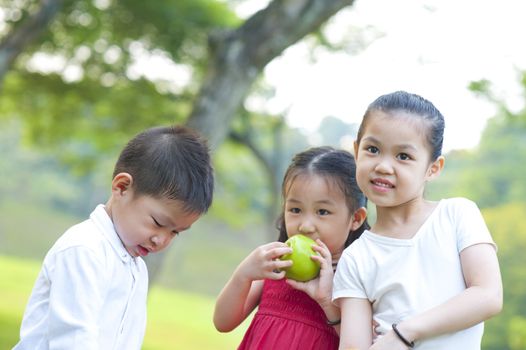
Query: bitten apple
303	267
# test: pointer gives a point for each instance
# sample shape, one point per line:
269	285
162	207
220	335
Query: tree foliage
493	173
79	87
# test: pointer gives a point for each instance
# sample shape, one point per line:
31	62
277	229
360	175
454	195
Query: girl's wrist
242	276
402	337
326	303
332	313
406	331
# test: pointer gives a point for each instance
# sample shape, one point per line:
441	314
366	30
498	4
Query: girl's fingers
319	259
280	264
277	251
322	249
276	275
320	243
296	284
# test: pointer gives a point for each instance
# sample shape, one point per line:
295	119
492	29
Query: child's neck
403	221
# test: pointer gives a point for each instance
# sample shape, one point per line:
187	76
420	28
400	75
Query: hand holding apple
303	267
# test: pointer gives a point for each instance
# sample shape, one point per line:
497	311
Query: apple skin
303	267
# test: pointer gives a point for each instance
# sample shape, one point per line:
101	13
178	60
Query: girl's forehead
397	114
402	118
302	181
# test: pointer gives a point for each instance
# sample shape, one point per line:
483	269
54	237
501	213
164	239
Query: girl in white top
426	273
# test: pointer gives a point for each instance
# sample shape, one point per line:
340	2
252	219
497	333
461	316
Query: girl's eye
295	210
323	212
175	233
372	149
404	156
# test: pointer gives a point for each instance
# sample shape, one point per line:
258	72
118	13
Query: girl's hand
242	292
320	288
388	341
263	262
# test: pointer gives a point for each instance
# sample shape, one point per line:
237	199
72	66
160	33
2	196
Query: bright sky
433	48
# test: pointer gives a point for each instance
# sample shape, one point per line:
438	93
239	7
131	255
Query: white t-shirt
89	294
404	277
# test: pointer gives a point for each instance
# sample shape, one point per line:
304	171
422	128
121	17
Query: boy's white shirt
90	293
403	277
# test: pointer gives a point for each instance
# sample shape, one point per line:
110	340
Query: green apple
303	267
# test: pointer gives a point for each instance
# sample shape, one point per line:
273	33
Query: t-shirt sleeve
471	227
347	282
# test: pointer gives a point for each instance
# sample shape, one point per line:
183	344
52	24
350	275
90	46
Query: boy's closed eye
156	222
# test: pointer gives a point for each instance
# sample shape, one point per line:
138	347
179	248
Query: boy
91	290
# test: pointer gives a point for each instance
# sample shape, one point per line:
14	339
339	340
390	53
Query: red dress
288	319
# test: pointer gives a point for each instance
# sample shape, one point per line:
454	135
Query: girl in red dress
322	201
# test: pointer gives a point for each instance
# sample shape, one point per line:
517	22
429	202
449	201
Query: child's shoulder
457	202
80	235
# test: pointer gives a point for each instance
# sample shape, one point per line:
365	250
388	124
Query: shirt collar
103	221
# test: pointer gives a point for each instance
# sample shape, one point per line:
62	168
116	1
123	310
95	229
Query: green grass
176	320
29	230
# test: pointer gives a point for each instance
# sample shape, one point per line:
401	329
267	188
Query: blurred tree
75	67
336	132
492	173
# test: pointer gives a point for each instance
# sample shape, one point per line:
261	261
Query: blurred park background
78	79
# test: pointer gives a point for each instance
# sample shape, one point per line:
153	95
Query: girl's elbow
494	304
497	305
221	327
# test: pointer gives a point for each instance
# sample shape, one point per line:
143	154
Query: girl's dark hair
335	165
170	162
401	101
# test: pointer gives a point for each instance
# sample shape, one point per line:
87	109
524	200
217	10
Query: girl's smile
382	185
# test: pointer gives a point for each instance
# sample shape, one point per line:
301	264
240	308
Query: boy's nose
160	240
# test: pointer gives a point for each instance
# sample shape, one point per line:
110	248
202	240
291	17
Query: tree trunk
237	58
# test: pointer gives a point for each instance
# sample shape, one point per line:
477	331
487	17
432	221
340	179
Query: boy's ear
358	218
435	168
355	149
121	183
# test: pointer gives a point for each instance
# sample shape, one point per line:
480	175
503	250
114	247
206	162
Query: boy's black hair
170	162
334	165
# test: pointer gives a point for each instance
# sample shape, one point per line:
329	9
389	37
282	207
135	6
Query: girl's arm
356	331
481	300
242	292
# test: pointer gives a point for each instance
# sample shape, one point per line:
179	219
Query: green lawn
176	320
